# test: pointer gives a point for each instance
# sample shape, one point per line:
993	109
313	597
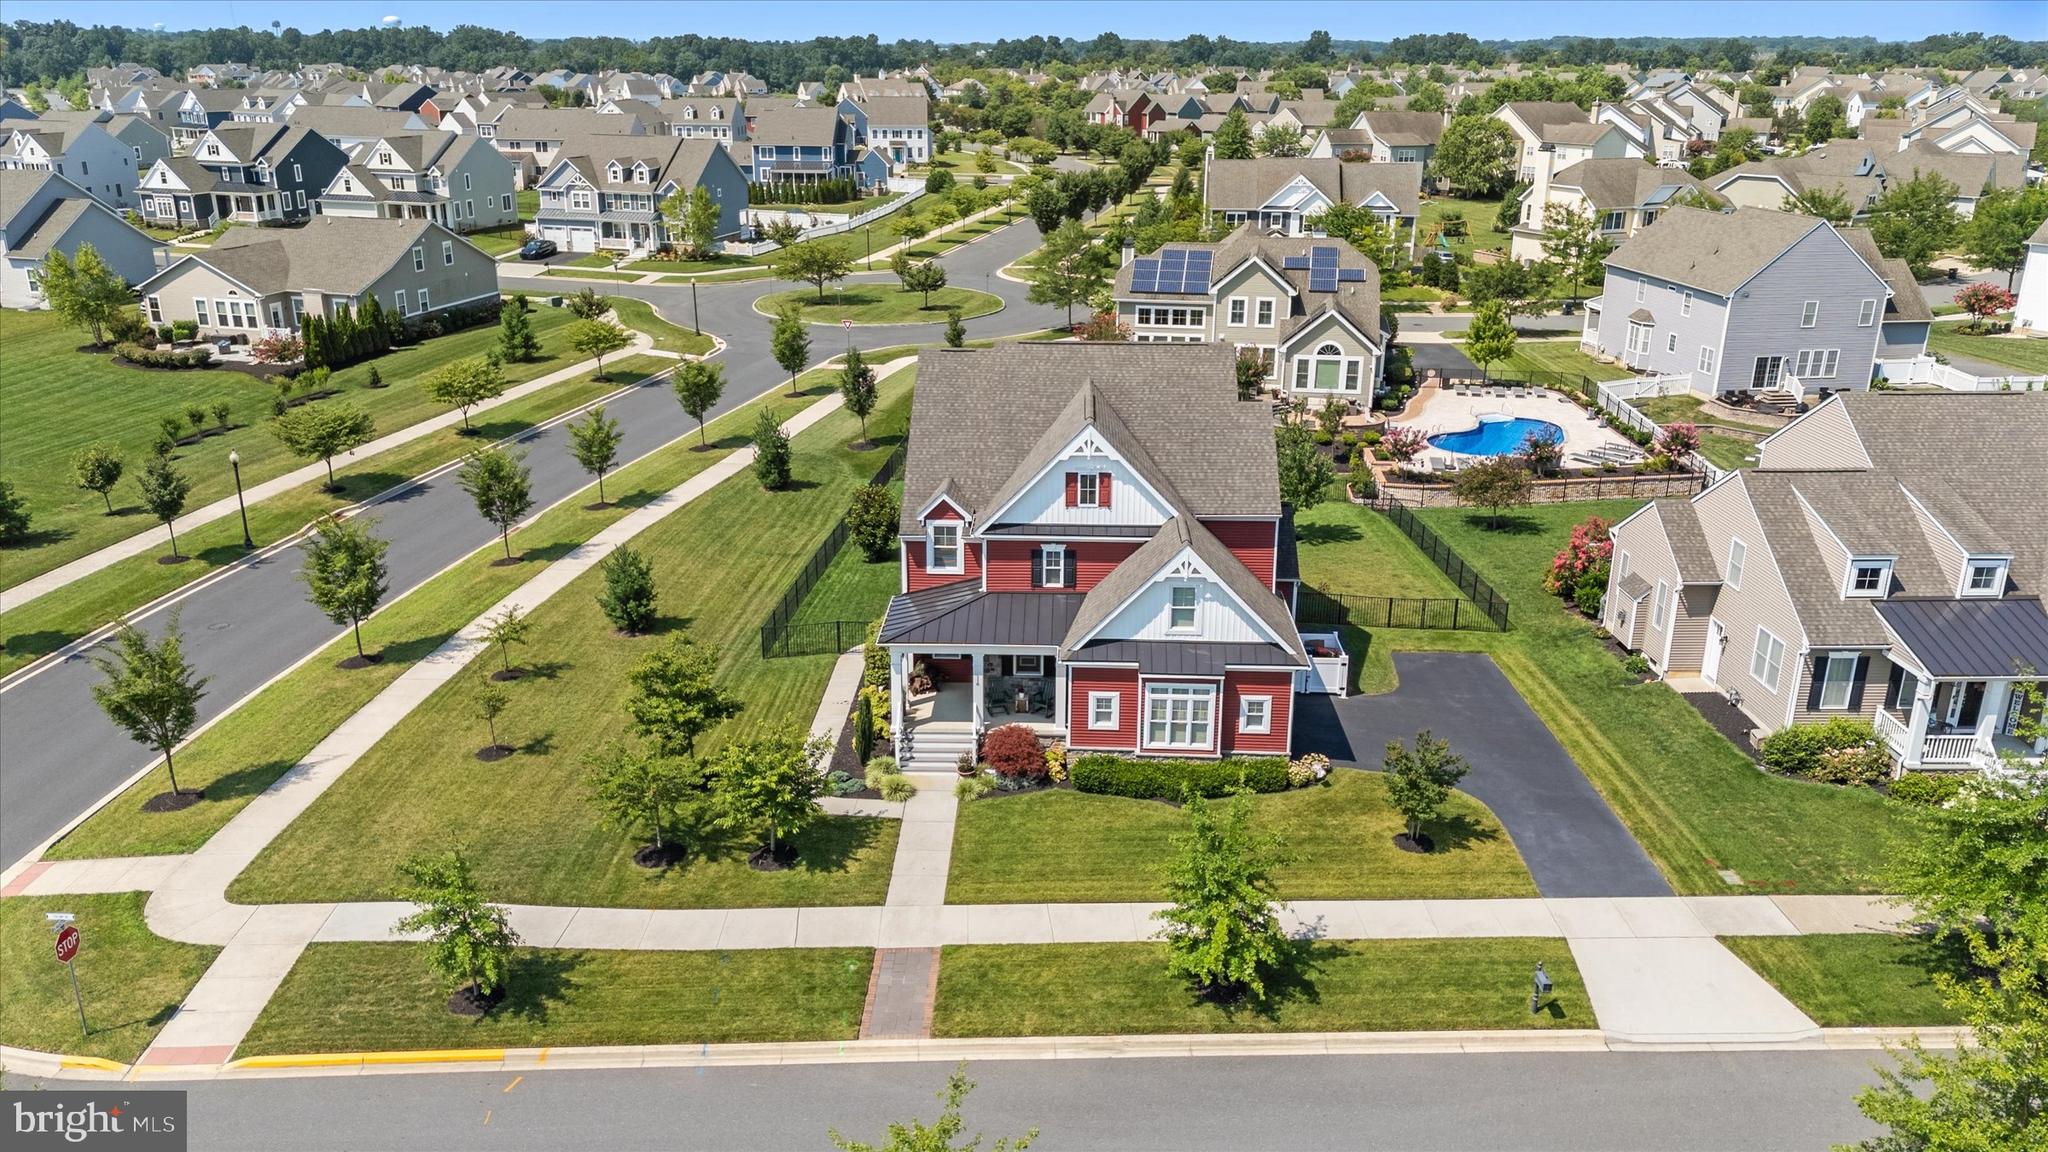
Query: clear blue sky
973	20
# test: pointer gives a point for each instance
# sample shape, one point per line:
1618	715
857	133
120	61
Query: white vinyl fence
1928	370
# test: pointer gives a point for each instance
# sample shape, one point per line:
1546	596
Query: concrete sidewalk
144	541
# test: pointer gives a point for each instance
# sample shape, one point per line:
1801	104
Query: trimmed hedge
1796	749
1146	779
1933	791
198	356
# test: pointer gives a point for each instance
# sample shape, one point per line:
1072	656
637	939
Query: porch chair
1041	699
994	697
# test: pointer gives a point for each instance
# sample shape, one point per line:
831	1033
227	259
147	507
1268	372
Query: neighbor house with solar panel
1853	572
1093	546
1309	305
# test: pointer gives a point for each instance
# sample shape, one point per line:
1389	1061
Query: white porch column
974	684
899	675
1916	726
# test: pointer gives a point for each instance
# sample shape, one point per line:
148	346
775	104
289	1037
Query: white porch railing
1893	730
1951	748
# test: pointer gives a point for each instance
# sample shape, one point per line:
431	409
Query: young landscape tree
857	388
1305	471
1496	484
1222	933
1983	300
641	794
502	487
84	291
1419	780
345	574
164	490
503	631
470	940
491	702
790	342
698	385
588	305
1065	275
516	341
917	1136
1251	373
97	468
321	431
956	332
924	278
815	262
599	339
1573	245
675	698
871	522
1491	337
772	454
692	217
14	515
465	384
595	445
628	599
770	780
151	693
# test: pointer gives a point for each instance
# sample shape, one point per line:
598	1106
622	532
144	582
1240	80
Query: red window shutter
1073	489
1102	489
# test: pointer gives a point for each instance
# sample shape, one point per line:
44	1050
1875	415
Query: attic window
1985	577
1868	577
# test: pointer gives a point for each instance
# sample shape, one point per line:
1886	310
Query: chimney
1130	250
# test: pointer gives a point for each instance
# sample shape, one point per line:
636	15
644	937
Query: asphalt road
59	754
1639	1102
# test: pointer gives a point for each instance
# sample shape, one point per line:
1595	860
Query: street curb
808	1052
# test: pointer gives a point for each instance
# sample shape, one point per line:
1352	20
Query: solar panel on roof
1197	281
1351	274
1322	280
1295	263
1144	275
1200	259
1322	257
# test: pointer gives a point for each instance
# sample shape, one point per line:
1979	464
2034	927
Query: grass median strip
1116	850
51	621
533	837
131	981
60	398
1348	986
385	997
1866	979
880	303
640	316
251	747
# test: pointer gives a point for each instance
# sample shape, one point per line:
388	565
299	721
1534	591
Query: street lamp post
235	466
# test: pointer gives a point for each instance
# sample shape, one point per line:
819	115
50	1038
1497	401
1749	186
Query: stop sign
67	943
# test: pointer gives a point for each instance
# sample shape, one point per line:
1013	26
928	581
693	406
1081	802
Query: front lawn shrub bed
200	356
1171	779
1832	751
1013	750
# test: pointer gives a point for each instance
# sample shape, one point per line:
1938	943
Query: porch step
934	750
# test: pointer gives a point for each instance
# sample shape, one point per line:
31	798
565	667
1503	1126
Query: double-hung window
1087	490
1265	312
1052	566
1707	358
1809	314
1180	715
1837	677
945	547
1866	314
1237	311
199	311
1768	660
1685	304
1103	709
1254	715
419	259
447	252
1180	610
398	298
1738	555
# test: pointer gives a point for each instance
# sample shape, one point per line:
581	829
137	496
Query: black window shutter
1068	567
1856	685
1038	567
1814	680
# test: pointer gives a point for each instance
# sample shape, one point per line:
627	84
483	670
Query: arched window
1328	369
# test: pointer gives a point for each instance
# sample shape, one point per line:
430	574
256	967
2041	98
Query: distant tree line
54	50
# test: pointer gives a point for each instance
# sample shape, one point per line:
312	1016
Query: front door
1710	660
1964	703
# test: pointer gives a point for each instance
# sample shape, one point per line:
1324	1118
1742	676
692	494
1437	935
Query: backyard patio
1464	406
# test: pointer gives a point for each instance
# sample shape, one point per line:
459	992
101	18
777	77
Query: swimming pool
1497	435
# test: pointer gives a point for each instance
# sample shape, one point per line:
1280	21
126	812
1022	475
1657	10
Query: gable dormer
1089	482
614	172
1180	586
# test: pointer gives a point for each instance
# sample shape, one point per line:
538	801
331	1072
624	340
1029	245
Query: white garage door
572	239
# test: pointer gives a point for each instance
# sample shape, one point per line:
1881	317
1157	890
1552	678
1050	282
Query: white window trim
1095	721
1761	668
1738	559
447	252
1707	358
1866	313
1809	314
1087	490
931	547
419	258
1685	304
1046	555
1037	664
1265	313
2000	567
1670	343
1660	604
1240	311
1194	609
1828	680
1245	725
1641	287
1857	563
1206	693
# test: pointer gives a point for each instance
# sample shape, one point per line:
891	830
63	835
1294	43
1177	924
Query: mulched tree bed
781	859
363	661
179	559
506	675
1421	845
174	801
467	1001
665	856
491	753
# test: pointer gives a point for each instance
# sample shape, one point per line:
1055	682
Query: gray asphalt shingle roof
1713	251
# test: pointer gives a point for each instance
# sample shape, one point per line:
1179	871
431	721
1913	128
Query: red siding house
1093	545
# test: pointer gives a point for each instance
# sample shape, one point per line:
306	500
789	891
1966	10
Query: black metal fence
1485	600
1319	609
780	634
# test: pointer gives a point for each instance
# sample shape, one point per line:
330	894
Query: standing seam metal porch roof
1971	638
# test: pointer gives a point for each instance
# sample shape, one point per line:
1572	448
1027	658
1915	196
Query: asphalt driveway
1571	840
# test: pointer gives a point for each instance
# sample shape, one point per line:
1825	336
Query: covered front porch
1965	724
944	701
1966	690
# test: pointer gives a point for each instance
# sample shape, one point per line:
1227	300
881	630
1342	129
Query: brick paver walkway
900	994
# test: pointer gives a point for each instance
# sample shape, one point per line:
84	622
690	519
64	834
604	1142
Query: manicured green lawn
500	240
58	400
1351	550
640	316
853	587
1862	980
2027	357
533	835
868	303
1695	802
714	264
1673	409
527	203
591	274
1479	218
1112	849
383	997
50	621
1349	986
252	746
1727	451
1559	356
131	980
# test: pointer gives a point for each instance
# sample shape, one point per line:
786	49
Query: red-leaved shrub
1013	750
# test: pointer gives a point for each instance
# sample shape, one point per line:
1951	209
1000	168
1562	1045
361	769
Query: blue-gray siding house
1741	302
